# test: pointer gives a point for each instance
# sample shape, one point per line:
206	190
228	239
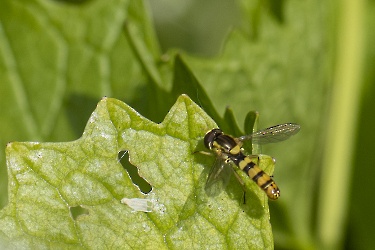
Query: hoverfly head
211	136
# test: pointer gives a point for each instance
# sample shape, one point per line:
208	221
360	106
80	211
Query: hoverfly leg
242	185
203	153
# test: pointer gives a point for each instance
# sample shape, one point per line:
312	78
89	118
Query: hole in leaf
142	184
77	211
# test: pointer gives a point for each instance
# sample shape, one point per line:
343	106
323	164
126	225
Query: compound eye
211	136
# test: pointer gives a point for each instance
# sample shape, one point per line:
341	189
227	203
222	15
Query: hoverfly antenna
211	136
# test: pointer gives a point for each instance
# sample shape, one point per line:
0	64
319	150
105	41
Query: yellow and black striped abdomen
262	179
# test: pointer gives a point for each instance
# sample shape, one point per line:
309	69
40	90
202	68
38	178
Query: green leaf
57	59
47	180
282	69
184	82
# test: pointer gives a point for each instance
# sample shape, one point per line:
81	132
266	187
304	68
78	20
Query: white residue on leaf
146	228
145	205
137	204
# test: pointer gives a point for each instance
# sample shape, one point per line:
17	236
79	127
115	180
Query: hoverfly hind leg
242	185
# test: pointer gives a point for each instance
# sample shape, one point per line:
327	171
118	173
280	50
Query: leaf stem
343	119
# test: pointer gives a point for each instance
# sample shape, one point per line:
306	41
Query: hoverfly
229	150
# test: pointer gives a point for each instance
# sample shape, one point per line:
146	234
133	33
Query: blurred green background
309	62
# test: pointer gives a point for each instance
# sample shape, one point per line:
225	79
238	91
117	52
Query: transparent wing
218	178
273	134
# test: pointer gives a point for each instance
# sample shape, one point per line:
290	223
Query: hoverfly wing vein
218	178
273	134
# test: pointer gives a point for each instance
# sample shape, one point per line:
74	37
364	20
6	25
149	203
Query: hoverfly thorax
217	139
226	143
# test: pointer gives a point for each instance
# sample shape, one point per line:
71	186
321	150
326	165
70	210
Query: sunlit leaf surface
48	180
